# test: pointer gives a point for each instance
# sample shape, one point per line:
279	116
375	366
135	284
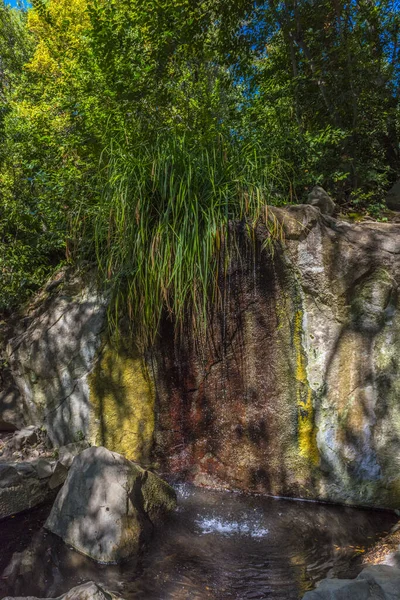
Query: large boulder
393	197
87	591
384	579
50	353
108	505
321	422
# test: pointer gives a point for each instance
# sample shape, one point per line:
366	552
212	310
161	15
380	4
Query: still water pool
218	546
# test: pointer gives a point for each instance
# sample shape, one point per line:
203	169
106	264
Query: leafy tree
134	133
327	85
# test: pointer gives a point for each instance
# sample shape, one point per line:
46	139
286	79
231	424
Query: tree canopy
133	132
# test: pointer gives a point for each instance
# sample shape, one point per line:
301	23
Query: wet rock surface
296	391
108	506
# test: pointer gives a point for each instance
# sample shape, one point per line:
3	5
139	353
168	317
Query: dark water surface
216	546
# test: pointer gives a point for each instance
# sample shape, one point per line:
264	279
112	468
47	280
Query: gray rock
59	476
393	197
340	589
21	487
376	582
44	468
51	357
9	475
108	505
66	454
321	199
12	408
386	578
87	591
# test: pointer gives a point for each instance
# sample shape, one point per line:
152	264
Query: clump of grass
164	220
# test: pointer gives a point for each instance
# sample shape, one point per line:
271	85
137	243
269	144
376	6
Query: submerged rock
376	582
108	505
87	591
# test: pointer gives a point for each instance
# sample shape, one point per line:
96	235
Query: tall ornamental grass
165	220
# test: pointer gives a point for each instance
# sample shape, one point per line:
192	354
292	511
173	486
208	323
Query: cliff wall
295	389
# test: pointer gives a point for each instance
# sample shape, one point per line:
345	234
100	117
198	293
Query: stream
218	545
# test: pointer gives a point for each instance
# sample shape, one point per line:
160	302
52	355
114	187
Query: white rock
108	505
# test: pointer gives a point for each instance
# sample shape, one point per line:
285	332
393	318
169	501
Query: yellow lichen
122	396
306	427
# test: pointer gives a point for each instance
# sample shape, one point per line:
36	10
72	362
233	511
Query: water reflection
217	545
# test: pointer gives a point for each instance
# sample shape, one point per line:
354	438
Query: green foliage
165	214
134	133
328	83
29	226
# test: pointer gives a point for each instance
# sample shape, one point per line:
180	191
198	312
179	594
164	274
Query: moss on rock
122	397
306	424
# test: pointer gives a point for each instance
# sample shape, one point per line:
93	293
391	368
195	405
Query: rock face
108	505
87	591
295	390
50	357
377	582
62	375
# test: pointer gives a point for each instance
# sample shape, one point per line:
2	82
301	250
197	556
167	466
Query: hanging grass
164	219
